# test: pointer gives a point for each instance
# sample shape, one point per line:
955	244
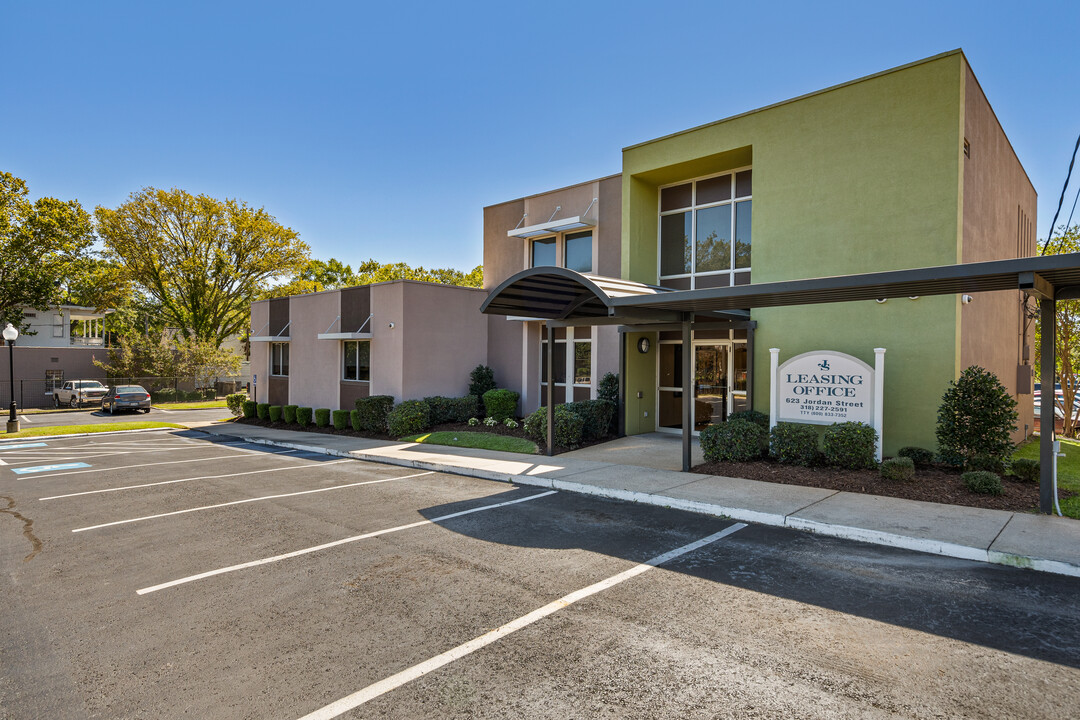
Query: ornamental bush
263	411
408	418
481	379
733	441
920	456
898	469
340	419
373	411
850	445
596	415
354	420
985	462
288	414
982	482
758	418
322	417
452	409
793	443
250	407
275	413
303	416
976	417
235	403
569	427
500	404
1026	469
608	390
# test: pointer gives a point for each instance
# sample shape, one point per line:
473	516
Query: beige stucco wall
999	211
503	256
387	346
314	365
504	351
260	359
445	337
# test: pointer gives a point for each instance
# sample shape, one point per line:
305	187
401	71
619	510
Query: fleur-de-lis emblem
824	364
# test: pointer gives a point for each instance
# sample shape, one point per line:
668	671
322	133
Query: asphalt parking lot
94	416
168	574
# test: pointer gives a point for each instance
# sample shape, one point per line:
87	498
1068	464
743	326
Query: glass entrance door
710	384
719	383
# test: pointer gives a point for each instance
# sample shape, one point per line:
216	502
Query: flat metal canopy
552	226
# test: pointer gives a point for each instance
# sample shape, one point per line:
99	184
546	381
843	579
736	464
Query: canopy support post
550	389
687	390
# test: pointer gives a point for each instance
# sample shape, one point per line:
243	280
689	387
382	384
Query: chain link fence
36	394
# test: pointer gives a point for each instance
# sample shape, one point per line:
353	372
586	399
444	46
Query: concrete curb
874	537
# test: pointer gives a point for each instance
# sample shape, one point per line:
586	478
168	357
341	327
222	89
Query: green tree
45	245
332	274
1067	362
202	260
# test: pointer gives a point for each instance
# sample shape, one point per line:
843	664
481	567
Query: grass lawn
479	440
1068	471
203	405
75	429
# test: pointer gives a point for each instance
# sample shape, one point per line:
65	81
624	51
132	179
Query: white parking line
202	477
60	454
164	462
250	500
335	543
382	687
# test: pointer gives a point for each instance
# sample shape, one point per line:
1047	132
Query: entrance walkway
660	451
1039	542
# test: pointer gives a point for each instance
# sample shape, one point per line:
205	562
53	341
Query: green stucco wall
640	377
859	178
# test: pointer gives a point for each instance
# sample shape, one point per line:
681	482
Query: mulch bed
932	484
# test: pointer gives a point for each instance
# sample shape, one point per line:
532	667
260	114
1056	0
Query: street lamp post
11	334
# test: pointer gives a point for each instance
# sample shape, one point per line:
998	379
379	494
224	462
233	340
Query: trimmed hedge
793	443
918	455
850	445
250	407
982	482
596	416
408	418
340	419
500	404
303	416
736	440
758	418
354	420
322	417
263	411
976	417
452	409
373	411
275	413
1026	469
569	427
985	462
898	469
288	414
235	403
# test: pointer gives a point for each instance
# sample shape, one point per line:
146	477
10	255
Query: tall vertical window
705	229
54	380
543	252
357	360
582	362
578	251
279	359
560	362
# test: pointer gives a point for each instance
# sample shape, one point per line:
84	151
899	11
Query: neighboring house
60	344
903	169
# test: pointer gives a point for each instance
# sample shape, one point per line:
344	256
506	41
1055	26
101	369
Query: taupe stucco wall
387	344
445	337
609	227
260	351
314	365
31	364
504	351
999	212
503	256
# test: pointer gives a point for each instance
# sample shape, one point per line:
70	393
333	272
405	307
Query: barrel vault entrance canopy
565	297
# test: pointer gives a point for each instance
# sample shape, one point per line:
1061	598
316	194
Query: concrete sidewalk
1039	542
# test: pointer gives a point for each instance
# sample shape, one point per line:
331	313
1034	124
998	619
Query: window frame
554	240
592	245
572	375
344	350
693	209
282	351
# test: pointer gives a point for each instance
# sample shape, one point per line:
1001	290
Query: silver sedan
126	397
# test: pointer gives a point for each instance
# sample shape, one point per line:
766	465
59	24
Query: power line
1068	223
1061	200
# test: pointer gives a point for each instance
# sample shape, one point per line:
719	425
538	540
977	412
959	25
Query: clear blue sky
382	129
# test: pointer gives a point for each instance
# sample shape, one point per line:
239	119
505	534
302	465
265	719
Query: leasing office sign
824	387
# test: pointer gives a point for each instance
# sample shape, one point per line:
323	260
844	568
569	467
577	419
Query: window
705	226
543	252
582	362
578	251
58	325
560	362
279	359
53	380
357	360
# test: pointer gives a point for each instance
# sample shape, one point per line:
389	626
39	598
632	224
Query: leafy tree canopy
1067	362
200	259
164	355
332	274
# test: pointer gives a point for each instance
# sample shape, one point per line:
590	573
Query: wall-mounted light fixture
881	301
390	325
966	299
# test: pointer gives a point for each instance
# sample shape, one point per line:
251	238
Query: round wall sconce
643	345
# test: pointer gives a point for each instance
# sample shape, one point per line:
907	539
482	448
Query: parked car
1059	398
126	397
75	393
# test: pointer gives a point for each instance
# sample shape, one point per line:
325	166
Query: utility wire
1068	223
1061	200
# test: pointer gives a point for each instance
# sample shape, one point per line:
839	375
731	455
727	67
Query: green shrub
250	407
793	443
985	462
288	414
235	403
275	413
322	417
165	395
976	417
898	469
850	445
373	411
1026	469
733	441
569	427
481	379
500	404
608	390
982	482
919	456
354	420
596	416
303	416
452	409
339	419
758	418
408	418
263	411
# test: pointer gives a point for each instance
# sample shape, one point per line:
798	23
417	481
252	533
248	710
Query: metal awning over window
550	228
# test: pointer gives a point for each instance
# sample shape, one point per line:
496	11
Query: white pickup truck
75	393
